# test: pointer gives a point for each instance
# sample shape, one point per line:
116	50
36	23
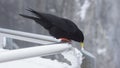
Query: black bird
58	27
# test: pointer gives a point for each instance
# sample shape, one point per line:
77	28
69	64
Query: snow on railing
31	51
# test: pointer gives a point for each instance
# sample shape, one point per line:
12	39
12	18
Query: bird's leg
65	40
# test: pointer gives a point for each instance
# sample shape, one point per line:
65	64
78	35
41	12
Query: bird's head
79	37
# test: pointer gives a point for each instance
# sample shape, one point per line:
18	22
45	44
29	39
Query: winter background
98	19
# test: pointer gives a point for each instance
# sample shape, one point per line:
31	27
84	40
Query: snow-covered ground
74	56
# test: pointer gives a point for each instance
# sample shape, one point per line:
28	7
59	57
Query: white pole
2	41
33	52
30	37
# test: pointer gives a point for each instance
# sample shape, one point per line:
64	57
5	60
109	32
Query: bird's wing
61	23
64	24
71	24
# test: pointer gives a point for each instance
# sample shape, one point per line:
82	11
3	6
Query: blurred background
100	25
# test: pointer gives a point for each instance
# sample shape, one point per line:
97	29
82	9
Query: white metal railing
29	37
31	51
88	62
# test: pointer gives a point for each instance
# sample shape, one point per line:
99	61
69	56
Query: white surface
74	56
2	41
33	52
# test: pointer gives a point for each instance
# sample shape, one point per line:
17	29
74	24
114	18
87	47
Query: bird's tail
29	17
38	18
34	12
38	15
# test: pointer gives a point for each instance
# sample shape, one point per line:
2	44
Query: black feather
57	26
29	17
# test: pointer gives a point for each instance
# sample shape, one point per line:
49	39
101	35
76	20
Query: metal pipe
33	52
2	41
30	37
89	61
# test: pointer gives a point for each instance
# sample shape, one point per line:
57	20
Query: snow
73	55
52	10
82	9
101	51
